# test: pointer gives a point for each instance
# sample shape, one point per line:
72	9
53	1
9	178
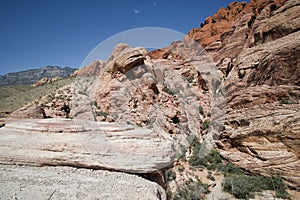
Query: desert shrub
210	176
196	160
192	139
94	103
229	168
243	186
168	90
209	161
190	79
213	159
236	182
181	169
170	175
101	113
284	101
192	191
205	125
200	108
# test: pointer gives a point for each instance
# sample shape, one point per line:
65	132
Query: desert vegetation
15	97
237	182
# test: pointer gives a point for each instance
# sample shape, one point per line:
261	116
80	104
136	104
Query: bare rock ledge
88	144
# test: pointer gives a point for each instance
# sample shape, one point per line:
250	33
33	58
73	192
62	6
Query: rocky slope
240	96
29	77
262	87
256	46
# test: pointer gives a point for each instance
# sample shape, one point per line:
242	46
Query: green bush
192	191
284	101
229	168
190	79
210	176
171	175
200	108
192	139
101	113
205	125
244	186
94	103
168	90
196	160
209	161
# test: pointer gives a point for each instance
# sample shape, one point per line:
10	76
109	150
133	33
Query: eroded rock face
127	60
211	30
87	144
94	69
262	86
256	46
19	182
161	94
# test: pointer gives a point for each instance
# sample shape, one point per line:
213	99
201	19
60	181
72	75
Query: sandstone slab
85	144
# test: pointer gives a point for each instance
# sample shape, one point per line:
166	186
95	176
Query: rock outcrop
256	46
87	144
160	94
94	69
177	92
262	87
29	112
29	77
46	80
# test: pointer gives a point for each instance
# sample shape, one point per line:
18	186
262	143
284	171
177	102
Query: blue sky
35	33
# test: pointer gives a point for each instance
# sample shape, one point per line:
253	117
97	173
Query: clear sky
35	33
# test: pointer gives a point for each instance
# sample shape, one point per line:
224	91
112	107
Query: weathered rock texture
257	46
19	182
174	90
162	94
93	69
259	56
85	144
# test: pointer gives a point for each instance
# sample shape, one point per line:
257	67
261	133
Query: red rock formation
90	70
211	30
46	80
237	15
256	46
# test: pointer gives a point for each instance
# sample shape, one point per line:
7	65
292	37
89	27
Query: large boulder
35	112
126	61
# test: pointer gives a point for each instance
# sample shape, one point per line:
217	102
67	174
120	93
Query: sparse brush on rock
236	182
192	191
243	186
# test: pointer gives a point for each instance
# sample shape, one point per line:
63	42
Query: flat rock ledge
64	183
86	144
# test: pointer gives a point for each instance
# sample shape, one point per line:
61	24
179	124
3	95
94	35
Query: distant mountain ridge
31	76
